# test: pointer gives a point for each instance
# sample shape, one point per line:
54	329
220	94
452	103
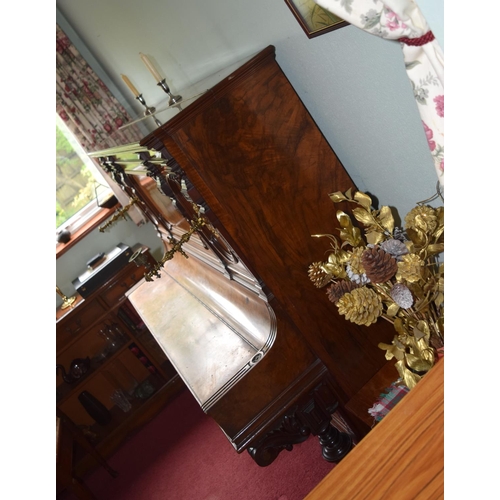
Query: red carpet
183	455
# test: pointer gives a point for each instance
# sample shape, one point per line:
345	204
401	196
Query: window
78	182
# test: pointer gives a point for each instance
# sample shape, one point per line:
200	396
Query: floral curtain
90	111
402	21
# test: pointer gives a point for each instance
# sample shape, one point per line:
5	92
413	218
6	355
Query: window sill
62	248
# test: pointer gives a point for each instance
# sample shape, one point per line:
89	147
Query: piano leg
311	416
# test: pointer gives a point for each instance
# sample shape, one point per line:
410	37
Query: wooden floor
402	457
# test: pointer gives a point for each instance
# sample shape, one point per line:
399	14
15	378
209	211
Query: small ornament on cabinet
66	301
77	369
94	408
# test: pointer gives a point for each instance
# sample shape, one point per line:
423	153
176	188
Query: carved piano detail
265	356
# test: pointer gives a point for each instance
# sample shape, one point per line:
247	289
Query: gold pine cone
379	265
317	275
336	290
410	268
361	306
422	218
355	260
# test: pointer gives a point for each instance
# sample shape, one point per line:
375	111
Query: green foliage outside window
74	181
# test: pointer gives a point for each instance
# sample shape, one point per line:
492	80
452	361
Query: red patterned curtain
90	111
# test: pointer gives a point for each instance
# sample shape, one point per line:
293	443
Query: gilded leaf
343	256
337	197
386	219
391	351
352	236
398	326
410	379
363	199
439	232
374	237
329	268
416	237
439	299
398	344
416	289
332	258
363	216
435	249
344	219
421	330
392	310
416	363
440	325
427	353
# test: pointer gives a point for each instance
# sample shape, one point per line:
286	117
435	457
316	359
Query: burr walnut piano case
263	351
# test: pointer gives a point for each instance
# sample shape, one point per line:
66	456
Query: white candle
130	85
151	68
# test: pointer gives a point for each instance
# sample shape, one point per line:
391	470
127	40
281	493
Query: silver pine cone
394	247
402	295
359	279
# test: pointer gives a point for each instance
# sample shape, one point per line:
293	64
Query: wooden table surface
402	457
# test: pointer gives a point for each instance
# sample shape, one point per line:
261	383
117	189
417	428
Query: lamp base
68	302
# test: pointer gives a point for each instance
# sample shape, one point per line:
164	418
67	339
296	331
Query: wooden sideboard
129	360
242	152
402	457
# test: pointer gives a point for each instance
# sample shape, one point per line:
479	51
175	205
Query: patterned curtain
90	111
402	21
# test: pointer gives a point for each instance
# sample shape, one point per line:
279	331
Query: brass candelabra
120	214
197	224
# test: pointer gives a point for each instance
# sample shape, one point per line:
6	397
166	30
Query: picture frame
313	19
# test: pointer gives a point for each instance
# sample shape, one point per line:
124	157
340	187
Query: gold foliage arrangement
390	273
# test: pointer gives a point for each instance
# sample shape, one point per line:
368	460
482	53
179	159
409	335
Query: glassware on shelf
145	390
110	338
113	339
118	333
120	399
121	378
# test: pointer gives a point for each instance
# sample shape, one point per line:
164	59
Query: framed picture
314	19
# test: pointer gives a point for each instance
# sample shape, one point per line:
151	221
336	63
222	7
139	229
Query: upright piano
235	181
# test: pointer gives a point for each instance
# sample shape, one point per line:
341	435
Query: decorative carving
290	432
312	416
